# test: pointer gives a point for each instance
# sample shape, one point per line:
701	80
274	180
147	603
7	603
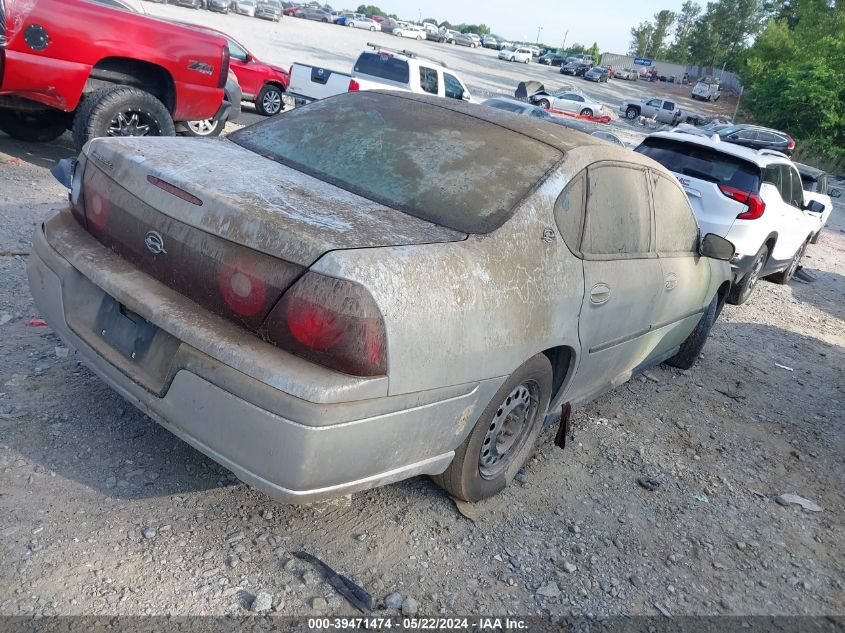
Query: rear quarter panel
466	311
83	33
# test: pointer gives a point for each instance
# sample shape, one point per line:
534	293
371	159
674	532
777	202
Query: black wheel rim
133	122
509	429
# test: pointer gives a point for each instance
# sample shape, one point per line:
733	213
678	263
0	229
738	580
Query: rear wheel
269	100
785	276
35	127
691	347
504	436
741	291
586	112
816	237
372	28
544	103
120	111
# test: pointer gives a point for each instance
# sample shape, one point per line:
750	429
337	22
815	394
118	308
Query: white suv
520	54
390	69
752	198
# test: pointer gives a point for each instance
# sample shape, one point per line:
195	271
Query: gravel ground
104	512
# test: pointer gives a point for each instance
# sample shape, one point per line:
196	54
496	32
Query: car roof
752	155
807	170
751	126
401	55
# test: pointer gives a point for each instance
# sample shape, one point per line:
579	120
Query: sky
607	22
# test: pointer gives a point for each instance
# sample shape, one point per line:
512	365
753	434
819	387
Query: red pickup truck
102	71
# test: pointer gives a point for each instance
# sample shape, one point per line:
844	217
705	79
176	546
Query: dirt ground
104	512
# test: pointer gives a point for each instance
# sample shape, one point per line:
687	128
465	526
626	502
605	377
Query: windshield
431	162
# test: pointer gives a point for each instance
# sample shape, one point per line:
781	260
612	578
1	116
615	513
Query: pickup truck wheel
544	103
691	347
741	291
632	113
120	111
586	112
269	100
204	128
815	238
35	127
504	436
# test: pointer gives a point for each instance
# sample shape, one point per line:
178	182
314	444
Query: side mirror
716	247
814	206
466	96
248	58
834	193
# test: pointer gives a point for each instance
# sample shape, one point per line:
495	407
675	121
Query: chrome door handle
600	293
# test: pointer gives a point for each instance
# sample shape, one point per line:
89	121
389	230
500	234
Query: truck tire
120	111
632	112
691	347
205	128
35	127
504	436
269	101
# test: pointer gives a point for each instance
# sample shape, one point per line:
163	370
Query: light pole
539	28
565	35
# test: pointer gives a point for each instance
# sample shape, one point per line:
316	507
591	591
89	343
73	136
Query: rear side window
704	163
797	199
454	89
382	66
428	80
676	230
618	212
569	211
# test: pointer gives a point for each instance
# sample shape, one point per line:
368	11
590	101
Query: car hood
254	201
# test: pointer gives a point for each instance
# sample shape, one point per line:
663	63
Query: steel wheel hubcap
272	102
132	123
509	429
755	272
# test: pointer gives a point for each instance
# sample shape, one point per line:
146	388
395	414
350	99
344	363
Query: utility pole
563	47
539	28
738	99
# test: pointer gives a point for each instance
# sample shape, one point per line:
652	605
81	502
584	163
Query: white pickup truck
707	89
662	110
378	69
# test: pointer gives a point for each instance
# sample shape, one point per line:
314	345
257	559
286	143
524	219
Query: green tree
641	39
686	20
663	21
594	51
369	9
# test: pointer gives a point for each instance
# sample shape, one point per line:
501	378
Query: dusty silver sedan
374	286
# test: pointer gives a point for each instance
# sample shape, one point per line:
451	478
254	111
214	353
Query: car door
806	222
430	81
249	79
652	107
686	275
568	101
453	88
667	112
622	276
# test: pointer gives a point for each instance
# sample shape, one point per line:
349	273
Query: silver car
321	322
568	100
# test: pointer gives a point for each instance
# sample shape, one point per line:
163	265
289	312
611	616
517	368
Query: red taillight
790	144
755	203
330	321
224	67
97	207
354	86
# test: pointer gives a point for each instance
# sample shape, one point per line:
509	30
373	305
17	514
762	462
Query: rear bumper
293	449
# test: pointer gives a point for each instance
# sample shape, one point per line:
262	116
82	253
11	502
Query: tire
815	238
205	128
99	115
544	103
694	343
632	113
526	61
418	38
741	291
372	28
785	276
269	101
35	127
586	112
477	473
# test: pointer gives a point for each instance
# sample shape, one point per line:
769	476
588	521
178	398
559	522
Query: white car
567	100
753	198
816	187
244	7
411	31
520	54
363	23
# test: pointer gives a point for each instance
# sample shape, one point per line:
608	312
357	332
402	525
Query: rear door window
676	230
383	66
704	163
428	80
797	199
569	211
785	184
668	105
618	220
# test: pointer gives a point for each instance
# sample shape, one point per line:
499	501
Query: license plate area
127	332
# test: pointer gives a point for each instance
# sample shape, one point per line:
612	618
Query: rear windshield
383	66
703	163
431	162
